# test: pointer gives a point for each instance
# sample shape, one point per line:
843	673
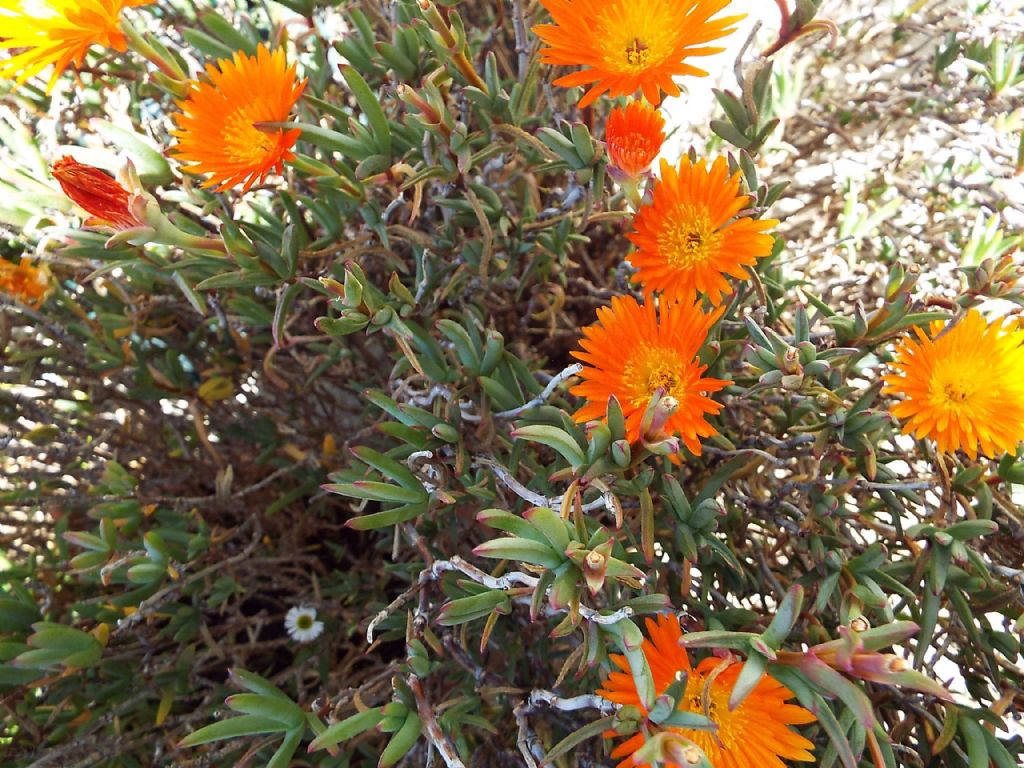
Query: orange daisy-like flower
27	283
634	136
57	32
217	131
97	193
625	46
689	237
963	386
633	353
754	735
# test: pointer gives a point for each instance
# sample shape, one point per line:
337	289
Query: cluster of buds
997	278
596	563
776	362
856	654
545	540
890	319
362	306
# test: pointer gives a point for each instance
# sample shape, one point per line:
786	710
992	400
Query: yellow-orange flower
634	136
754	735
110	204
57	32
26	283
632	352
689	237
625	46
216	127
963	385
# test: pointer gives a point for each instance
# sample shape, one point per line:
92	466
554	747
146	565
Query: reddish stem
784	12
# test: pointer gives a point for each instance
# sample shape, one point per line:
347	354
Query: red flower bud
98	193
634	136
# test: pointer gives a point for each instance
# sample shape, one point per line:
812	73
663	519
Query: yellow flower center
637	53
696	705
244	142
305	621
635	38
692	239
954	393
651	369
729	722
951	390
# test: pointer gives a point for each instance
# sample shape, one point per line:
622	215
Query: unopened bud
683	754
621	453
807	351
667	447
791	360
627	720
659	410
446	432
333	286
983	274
860	624
792	382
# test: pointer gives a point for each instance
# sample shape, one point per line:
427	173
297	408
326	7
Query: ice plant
625	46
690	236
637	354
963	385
123	206
25	282
756	734
57	32
634	135
217	132
99	194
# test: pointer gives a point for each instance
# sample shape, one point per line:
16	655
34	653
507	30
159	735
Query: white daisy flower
302	625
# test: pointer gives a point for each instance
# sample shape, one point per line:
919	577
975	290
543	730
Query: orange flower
216	128
688	238
634	136
963	384
28	284
632	353
58	32
625	46
97	193
754	735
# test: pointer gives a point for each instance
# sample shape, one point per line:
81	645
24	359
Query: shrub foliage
351	388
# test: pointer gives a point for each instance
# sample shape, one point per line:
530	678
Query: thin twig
434	733
542	398
508	581
532	497
528	743
606	619
573	704
522	47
